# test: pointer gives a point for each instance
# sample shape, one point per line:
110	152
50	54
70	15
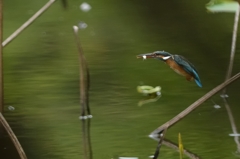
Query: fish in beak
146	56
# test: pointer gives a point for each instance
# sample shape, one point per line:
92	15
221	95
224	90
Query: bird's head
160	55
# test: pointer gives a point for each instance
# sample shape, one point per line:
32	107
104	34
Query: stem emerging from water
233	48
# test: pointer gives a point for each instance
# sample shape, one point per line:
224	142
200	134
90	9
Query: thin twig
233	48
27	23
81	73
196	104
229	72
84	76
13	137
1	58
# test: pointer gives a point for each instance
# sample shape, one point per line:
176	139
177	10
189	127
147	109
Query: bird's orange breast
178	69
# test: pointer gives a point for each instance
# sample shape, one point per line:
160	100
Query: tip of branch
75	28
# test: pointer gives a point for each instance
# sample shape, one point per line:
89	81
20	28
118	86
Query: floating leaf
153	94
148	89
229	6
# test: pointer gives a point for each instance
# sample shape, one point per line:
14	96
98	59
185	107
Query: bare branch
196	104
13	137
27	23
84	76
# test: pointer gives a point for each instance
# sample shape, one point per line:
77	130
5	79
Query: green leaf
229	6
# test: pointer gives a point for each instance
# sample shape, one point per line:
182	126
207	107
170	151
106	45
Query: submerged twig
28	22
1	58
196	104
13	137
84	77
233	48
175	147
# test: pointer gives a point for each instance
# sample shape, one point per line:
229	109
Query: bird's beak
146	56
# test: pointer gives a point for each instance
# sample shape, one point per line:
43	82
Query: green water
41	75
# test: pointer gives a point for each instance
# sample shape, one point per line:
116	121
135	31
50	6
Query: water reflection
86	138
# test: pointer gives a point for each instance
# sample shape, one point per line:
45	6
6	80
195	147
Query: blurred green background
41	75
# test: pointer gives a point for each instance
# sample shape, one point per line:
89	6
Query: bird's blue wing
189	67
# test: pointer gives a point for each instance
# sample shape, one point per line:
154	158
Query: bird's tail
197	79
198	82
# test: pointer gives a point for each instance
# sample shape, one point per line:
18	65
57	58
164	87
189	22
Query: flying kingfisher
176	62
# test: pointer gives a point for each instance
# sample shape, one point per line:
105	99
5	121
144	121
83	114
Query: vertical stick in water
81	73
84	87
84	77
1	57
228	75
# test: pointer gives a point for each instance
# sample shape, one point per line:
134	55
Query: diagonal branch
196	104
27	23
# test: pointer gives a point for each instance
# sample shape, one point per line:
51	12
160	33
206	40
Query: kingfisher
176	62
